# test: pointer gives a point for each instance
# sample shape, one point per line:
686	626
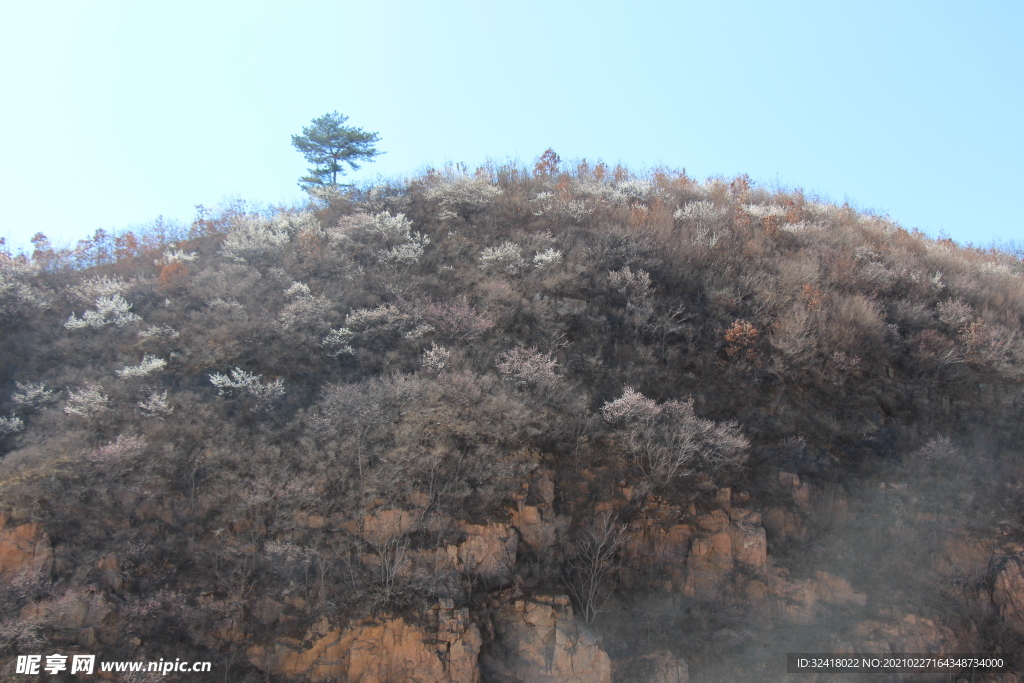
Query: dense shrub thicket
428	342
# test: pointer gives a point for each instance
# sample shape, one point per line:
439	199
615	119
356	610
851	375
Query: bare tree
594	562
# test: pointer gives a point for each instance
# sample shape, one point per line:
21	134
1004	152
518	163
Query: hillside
514	425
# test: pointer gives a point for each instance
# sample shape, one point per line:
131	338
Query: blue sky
118	112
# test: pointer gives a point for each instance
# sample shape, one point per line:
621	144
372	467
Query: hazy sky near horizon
120	111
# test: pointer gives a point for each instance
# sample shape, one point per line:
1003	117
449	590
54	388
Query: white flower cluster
764	210
701	214
10	425
325	194
32	395
86	402
161	333
389	230
462	191
110	310
15	293
560	207
304	310
527	366
637	288
436	358
400	246
125	448
252	237
175	256
149	364
618	193
386	319
670	440
262	395
93	288
631	406
337	342
405	255
298	289
156	405
548	257
507	258
703	217
390	238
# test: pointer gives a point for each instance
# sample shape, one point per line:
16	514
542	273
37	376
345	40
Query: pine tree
328	144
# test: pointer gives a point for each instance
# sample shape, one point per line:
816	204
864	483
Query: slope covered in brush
223	414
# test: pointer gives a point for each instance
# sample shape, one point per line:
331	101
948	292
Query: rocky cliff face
379	651
721	555
24	549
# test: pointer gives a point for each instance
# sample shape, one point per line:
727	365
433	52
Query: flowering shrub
631	406
954	312
638	291
159	333
173	255
86	402
702	217
616	193
388	230
149	364
304	309
325	194
10	425
261	395
93	288
384	238
560	207
527	366
507	258
337	342
110	310
32	395
369	326
125	448
462	192
670	441
16	294
765	210
455	320
436	358
548	257
406	254
156	405
253	237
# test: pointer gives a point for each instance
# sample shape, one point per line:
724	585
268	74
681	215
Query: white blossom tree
110	310
148	365
669	440
261	395
527	367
